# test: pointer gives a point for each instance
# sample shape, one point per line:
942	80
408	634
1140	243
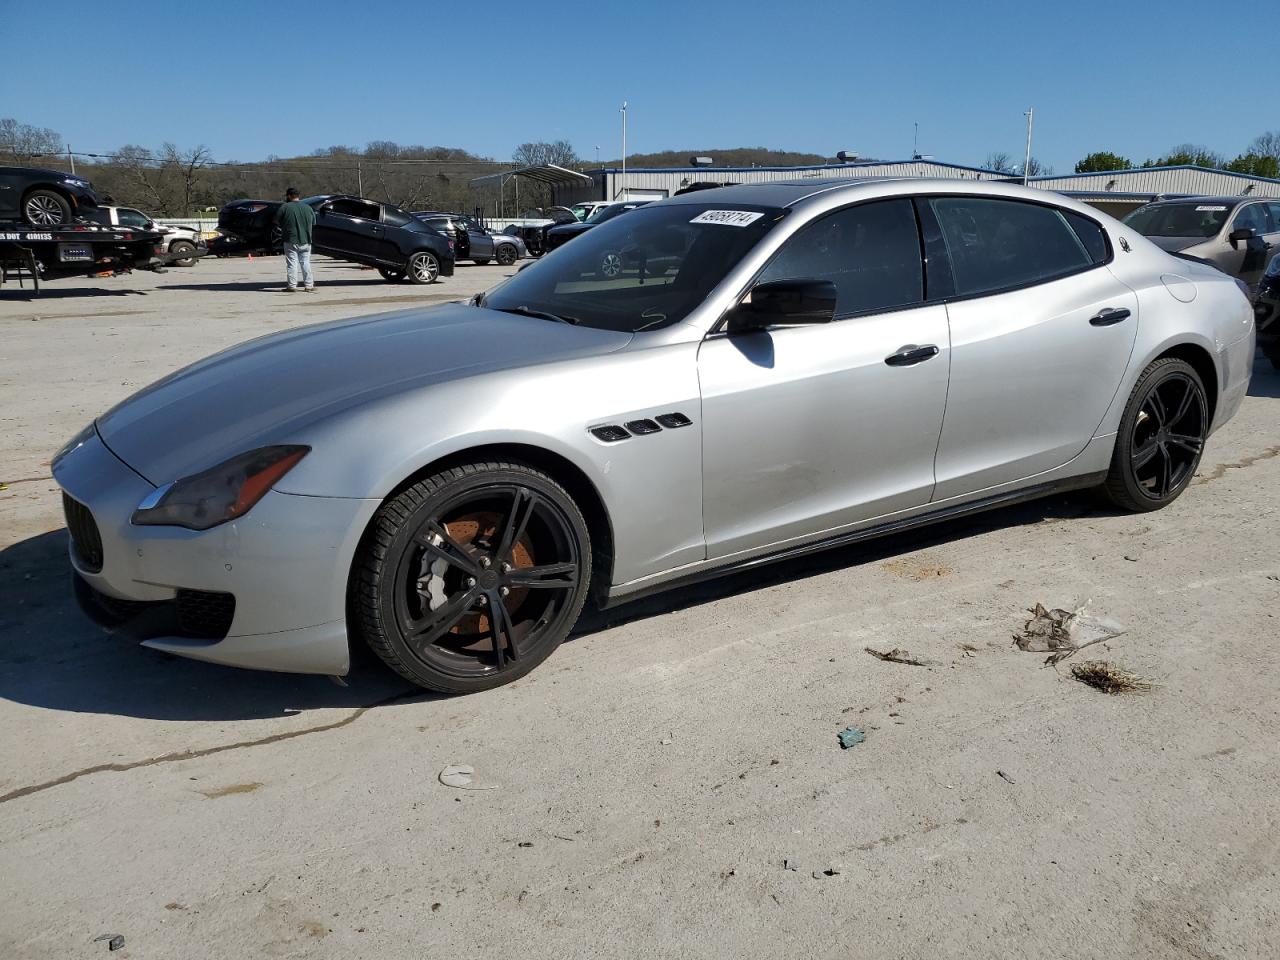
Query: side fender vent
641	427
610	433
673	420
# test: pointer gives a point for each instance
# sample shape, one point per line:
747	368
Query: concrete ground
647	791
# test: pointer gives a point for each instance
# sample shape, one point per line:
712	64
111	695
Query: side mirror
1242	233
783	302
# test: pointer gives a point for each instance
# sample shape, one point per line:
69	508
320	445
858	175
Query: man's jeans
293	254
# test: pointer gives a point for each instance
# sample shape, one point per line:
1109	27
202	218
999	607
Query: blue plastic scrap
851	736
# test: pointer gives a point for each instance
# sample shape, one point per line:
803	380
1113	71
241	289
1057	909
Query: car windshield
1197	219
646	270
581	210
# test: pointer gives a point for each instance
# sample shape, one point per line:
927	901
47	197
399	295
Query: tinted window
871	252
1275	215
1090	234
397	218
1179	219
1252	216
131	218
998	244
355	208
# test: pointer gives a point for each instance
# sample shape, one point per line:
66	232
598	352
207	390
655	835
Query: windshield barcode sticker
1198	209
728	218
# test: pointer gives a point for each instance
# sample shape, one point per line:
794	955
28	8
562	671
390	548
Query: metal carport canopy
543	173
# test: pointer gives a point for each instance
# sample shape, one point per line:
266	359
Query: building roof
543	173
815	166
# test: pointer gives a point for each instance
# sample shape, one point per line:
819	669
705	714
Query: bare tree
561	153
999	162
21	143
187	167
143	178
1266	145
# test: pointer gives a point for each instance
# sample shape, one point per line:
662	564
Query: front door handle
1105	318
911	354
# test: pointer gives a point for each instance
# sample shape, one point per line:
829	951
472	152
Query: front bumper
285	563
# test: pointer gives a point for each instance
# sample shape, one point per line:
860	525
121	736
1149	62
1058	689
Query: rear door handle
1105	318
911	354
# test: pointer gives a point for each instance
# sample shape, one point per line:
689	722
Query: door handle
911	354
1108	316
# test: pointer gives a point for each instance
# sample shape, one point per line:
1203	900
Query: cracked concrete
655	774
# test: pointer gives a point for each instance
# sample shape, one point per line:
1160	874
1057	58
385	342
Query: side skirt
858	536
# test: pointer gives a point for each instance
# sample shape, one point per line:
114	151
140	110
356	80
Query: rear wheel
482	261
391	276
183	246
507	254
611	265
423	267
1161	437
472	577
45	208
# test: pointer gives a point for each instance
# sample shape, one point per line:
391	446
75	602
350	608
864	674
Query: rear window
1192	219
1091	235
1001	244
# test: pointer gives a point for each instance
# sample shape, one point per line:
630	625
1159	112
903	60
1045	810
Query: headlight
84	436
219	494
75	182
1273	268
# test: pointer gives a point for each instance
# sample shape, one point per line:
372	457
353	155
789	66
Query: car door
1041	333
810	428
11	186
481	242
347	227
1252	252
128	217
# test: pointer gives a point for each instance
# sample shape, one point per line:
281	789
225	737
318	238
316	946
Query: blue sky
284	78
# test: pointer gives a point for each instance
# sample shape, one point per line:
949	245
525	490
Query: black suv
348	228
43	198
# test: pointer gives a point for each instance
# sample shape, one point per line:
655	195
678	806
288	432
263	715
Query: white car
178	239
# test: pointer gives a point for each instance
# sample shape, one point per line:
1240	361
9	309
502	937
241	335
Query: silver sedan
775	369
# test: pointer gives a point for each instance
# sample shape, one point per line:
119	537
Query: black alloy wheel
506	254
1161	438
472	577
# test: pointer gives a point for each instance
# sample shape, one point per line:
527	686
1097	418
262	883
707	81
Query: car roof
1227	200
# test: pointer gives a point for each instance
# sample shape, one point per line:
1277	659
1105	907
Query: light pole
1026	163
597	155
624	151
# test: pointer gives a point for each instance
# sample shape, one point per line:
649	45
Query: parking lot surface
670	782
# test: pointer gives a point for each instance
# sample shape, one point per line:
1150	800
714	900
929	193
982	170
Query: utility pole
915	142
359	179
71	159
1026	163
624	152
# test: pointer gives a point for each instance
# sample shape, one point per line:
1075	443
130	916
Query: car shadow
1063	507
52	656
277	285
55	293
1266	379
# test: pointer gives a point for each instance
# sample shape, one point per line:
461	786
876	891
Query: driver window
1250	217
355	208
871	252
131	218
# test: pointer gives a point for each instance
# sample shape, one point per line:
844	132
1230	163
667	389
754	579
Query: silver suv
1238	235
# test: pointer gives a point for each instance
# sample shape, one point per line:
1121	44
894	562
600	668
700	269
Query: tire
183	246
1161	437
446	552
507	254
482	263
45	208
391	276
423	267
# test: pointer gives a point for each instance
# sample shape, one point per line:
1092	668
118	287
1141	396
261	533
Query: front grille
85	540
205	615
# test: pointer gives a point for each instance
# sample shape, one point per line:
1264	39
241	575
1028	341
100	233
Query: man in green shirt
296	221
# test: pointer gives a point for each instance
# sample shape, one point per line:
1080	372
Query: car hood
270	389
570	229
1174	244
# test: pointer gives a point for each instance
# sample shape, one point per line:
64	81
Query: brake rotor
479	533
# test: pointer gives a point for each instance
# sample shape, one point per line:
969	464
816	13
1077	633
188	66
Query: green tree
1256	165
1188	154
1103	161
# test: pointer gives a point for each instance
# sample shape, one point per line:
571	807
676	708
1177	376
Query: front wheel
1161	437
183	247
423	267
472	577
45	208
507	254
391	276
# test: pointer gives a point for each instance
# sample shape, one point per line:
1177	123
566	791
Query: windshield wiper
539	314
